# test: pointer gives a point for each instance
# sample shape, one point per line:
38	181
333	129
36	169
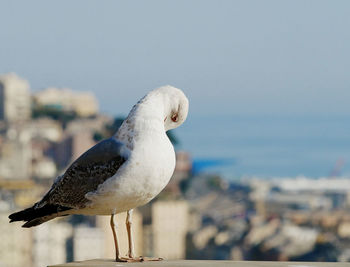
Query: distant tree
109	129
113	128
174	140
54	113
98	136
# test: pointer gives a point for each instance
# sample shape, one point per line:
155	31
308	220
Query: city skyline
235	57
251	145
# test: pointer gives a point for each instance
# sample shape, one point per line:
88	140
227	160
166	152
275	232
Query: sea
237	146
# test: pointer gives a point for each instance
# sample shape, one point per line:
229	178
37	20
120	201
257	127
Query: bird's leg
114	226
131	254
128	223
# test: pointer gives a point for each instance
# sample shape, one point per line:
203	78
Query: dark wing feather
85	174
35	216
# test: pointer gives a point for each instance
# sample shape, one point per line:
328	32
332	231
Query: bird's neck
144	120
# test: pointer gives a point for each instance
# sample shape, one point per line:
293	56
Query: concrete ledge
195	263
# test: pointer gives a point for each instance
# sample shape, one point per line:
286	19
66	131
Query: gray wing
85	174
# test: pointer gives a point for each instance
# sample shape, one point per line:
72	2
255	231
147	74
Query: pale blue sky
230	57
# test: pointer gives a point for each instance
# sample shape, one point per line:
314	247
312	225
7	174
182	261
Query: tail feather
34	216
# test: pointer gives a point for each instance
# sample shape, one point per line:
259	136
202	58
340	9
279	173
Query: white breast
141	178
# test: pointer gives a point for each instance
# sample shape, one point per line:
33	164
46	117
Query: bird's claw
151	259
137	259
118	259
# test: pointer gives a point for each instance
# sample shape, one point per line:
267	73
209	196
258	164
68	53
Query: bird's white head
175	105
165	105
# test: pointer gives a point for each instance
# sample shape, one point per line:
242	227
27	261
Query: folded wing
85	174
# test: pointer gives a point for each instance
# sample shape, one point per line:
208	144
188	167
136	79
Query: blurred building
95	124
203	236
182	171
169	228
276	196
183	165
47	129
72	146
50	243
15	99
88	243
45	168
15	153
16	244
84	104
45	133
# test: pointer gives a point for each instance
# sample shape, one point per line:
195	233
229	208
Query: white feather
151	159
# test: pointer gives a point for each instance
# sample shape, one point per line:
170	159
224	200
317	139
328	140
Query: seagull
119	173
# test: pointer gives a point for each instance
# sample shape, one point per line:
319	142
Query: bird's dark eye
175	117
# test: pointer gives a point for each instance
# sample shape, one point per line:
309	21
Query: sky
230	57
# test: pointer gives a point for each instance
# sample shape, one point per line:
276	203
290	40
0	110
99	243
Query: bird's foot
139	259
120	259
152	259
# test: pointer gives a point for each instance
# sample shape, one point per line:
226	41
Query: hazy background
268	81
